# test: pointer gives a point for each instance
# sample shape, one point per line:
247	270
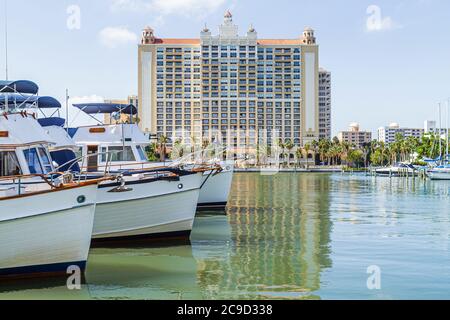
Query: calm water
288	236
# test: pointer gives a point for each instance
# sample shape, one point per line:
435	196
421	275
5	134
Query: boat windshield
45	159
38	160
141	153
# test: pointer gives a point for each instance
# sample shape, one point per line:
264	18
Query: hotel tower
230	86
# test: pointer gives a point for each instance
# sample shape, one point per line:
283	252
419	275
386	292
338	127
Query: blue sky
394	69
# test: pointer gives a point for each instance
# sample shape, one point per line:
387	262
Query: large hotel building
232	87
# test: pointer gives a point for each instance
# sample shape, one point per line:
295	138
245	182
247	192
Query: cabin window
141	153
118	154
78	152
9	165
103	154
32	158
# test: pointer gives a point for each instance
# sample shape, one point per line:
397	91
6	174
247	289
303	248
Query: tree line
324	152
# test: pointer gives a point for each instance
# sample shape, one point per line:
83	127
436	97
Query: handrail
53	188
26	176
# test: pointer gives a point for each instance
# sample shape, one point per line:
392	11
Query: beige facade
236	88
354	136
123	117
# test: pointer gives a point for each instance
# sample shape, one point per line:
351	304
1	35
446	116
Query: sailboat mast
440	134
6	40
446	130
67	110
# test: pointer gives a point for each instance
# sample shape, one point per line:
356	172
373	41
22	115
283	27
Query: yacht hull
158	209
216	189
44	234
395	172
439	175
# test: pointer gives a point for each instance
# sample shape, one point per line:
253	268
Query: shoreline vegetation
324	155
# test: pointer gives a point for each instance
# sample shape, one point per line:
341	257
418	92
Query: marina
232	166
312	243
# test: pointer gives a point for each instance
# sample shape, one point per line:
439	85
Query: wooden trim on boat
97	130
69	186
200	168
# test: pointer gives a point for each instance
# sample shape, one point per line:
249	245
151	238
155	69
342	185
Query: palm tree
307	149
178	149
163	141
345	150
205	145
314	148
289	146
366	147
299	153
282	146
152	151
268	153
324	146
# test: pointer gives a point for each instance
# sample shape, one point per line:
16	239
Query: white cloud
376	21
113	37
190	8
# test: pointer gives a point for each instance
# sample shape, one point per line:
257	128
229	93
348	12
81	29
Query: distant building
430	127
124	117
324	104
230	85
388	134
355	136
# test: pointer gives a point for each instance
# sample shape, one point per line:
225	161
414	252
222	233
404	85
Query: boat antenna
67	110
6	39
440	134
446	131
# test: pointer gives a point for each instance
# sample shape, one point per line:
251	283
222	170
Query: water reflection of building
280	237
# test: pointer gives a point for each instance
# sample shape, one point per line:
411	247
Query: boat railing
14	184
29	100
178	163
73	162
109	168
192	159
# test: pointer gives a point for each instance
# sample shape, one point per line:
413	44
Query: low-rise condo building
389	133
355	136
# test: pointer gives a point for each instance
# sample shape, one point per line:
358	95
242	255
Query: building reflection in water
279	239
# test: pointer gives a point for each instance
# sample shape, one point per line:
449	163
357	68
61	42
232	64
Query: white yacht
439	172
45	223
396	170
127	144
144	204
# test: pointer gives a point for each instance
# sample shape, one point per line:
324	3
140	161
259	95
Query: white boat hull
394	172
216	189
439	174
153	209
46	233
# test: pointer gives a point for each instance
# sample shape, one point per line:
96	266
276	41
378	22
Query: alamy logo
74	18
74	279
374	280
376	21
